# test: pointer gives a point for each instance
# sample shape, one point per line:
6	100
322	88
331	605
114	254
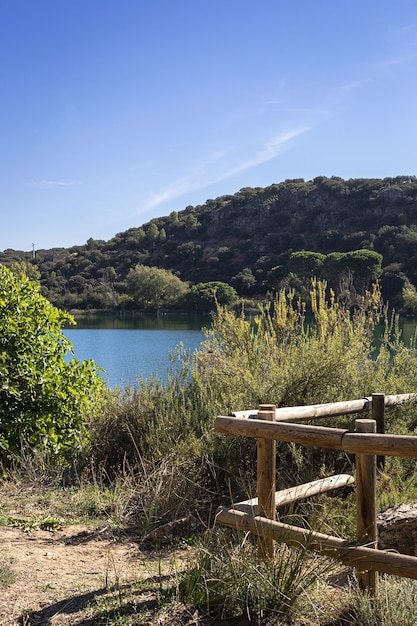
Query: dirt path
75	576
60	575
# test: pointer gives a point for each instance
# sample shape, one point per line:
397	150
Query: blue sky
116	111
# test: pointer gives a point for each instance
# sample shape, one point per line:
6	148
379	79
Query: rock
397	529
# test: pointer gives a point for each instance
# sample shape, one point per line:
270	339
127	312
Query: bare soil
61	576
82	575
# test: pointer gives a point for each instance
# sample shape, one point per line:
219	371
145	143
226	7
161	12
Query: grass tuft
229	580
396	603
7	575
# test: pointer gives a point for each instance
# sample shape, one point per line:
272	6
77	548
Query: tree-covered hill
238	239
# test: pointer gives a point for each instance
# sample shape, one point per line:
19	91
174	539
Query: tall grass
228	579
163	433
286	357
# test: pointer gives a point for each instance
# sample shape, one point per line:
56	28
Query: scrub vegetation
147	458
254	242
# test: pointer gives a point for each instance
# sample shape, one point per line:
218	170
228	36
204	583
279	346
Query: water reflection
142	322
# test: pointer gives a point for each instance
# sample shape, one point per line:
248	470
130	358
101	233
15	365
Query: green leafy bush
43	395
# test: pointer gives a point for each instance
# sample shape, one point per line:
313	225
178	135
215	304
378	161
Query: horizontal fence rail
360	557
368	443
320	436
331	409
288	496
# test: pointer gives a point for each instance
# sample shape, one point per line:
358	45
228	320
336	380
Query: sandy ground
64	578
60	575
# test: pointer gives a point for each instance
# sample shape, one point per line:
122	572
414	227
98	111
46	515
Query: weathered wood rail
368	443
332	409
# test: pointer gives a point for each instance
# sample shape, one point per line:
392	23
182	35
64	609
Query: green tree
92	243
275	276
393	281
154	287
191	222
152	232
24	268
347	270
244	280
366	266
140	235
207	296
43	395
305	264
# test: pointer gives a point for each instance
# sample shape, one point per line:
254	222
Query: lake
126	347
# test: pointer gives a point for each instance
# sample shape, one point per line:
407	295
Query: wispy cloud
403	44
269	151
355	84
190	182
53	184
203	176
175	190
400	59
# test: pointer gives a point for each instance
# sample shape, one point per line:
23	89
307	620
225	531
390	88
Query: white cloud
53	184
270	150
190	182
273	148
356	84
203	176
175	190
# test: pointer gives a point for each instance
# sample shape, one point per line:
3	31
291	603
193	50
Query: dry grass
99	573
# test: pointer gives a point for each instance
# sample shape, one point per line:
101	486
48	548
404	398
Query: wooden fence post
266	480
378	414
366	526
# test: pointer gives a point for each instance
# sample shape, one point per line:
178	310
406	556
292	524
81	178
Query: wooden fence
368	442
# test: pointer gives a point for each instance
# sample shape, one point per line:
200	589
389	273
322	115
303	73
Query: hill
239	238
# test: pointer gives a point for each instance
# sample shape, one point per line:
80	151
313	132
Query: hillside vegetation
238	239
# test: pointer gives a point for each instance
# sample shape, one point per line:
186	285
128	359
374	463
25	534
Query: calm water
128	347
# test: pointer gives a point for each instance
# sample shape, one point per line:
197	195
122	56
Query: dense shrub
43	395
